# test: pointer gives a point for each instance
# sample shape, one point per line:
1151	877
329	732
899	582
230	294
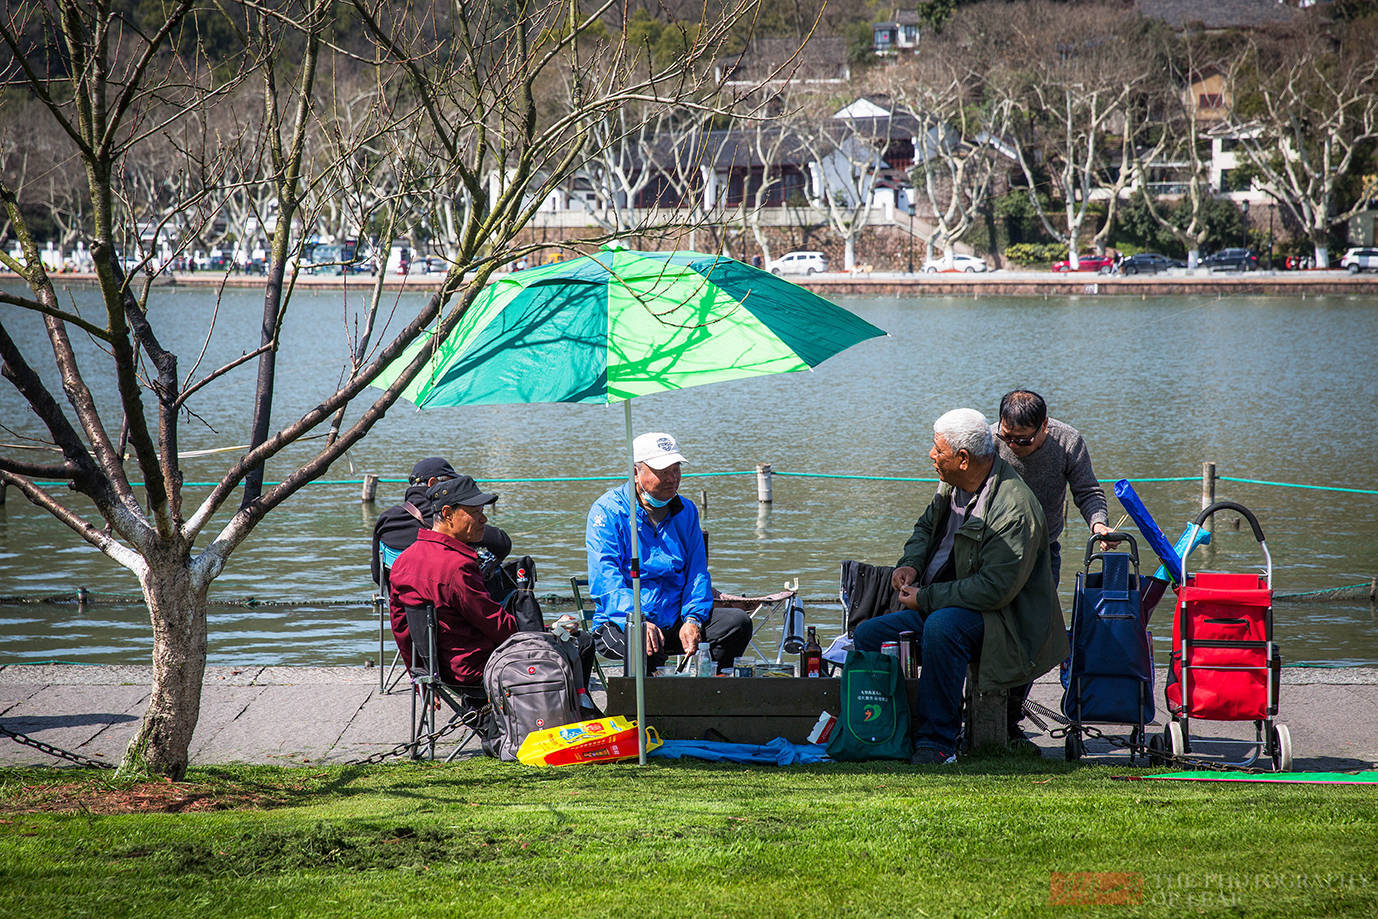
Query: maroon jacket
444	571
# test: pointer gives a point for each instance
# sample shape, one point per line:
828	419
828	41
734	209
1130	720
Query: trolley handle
1202	517
1114	536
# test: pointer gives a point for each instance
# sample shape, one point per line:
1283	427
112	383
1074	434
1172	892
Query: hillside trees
1073	99
1307	122
1182	140
846	157
959	144
457	112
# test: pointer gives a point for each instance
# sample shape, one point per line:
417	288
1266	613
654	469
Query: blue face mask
654	501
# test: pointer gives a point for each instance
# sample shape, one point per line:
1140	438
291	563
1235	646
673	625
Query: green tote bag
874	721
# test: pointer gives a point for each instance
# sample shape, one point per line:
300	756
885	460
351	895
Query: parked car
955	261
800	262
1149	263
1357	260
1086	262
1231	260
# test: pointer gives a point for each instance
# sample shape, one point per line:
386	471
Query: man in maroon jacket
442	568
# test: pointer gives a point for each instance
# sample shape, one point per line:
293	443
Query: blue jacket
674	562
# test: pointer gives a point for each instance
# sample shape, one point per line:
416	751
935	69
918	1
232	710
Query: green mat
1310	778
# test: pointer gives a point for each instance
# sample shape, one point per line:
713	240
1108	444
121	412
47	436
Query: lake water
1270	389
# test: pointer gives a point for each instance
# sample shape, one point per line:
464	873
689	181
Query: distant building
1210	97
1219	14
772	61
897	35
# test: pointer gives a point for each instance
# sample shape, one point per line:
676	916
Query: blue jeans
949	638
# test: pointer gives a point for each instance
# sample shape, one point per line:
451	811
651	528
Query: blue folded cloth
778	752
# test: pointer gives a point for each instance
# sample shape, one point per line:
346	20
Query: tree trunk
177	608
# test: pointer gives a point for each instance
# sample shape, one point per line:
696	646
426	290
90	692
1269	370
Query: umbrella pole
636	642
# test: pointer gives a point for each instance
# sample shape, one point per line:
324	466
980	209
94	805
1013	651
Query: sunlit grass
480	838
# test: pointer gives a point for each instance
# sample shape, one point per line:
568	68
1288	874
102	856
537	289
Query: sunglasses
1018	441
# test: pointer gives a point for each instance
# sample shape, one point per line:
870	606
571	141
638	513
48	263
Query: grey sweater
1062	461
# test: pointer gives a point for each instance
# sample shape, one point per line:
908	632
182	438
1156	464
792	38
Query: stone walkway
310	715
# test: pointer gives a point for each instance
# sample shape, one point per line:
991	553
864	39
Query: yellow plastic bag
603	740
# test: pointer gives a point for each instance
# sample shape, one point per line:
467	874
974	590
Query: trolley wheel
1074	747
1281	743
1155	750
1174	741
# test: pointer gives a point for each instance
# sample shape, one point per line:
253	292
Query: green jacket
1003	570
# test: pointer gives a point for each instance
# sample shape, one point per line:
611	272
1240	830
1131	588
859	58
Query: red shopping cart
1225	665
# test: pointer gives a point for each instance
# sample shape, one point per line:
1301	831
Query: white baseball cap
657	450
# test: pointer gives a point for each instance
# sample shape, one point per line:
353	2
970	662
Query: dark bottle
811	660
909	655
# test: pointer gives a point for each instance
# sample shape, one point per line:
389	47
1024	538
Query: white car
801	262
1357	260
955	261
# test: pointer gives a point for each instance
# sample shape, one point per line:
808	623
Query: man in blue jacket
676	592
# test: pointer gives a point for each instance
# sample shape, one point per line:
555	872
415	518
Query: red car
1086	262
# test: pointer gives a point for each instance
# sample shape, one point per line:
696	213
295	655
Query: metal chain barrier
55	751
1036	713
470	719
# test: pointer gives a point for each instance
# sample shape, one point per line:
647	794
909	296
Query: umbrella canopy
618	324
621	323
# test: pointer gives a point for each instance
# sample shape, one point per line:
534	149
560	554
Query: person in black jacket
396	527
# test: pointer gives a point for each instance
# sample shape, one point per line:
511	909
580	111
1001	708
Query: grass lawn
996	837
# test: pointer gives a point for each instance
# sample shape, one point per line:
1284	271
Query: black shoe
932	756
1023	746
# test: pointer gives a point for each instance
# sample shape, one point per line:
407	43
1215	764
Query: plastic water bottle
703	662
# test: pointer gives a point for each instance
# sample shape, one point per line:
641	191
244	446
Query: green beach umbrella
621	323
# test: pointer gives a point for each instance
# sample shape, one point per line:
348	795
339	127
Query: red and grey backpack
532	679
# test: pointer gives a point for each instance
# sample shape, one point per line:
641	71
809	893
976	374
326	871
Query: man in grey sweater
1050	457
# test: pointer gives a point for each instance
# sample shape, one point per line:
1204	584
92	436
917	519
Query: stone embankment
1291	284
309	715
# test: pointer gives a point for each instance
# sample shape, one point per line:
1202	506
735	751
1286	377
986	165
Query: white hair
966	429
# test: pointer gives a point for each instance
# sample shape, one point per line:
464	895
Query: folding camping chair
865	592
391	675
585	614
468	705
784	604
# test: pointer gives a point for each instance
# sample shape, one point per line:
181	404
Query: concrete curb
332	715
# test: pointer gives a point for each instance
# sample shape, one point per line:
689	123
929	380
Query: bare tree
846	160
1306	119
616	171
1182	141
465	88
773	148
958	144
1069	95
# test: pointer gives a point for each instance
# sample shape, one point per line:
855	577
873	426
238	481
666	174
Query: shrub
1035	253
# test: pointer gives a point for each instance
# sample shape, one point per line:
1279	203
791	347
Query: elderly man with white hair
976	584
